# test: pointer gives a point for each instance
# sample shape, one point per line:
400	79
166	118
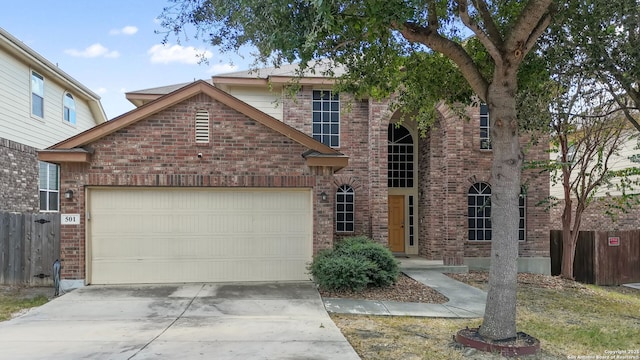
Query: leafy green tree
600	40
588	132
413	48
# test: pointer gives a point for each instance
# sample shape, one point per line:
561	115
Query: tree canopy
420	50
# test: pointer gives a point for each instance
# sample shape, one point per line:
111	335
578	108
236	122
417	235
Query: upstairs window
345	198
69	109
326	117
202	127
37	94
49	187
485	140
399	157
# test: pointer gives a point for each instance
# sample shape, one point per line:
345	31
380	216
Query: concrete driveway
186	321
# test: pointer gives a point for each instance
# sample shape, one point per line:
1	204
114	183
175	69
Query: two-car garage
171	235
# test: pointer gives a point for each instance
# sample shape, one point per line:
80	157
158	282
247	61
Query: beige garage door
198	235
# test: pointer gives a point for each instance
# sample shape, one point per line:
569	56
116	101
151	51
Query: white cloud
101	91
95	50
164	54
221	69
127	30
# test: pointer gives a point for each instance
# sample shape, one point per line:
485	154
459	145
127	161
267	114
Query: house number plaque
70	219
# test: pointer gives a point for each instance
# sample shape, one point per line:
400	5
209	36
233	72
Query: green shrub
386	271
340	272
355	263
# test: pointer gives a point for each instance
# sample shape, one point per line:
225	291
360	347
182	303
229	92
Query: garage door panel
187	235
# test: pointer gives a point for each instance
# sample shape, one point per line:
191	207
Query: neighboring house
595	217
229	180
40	105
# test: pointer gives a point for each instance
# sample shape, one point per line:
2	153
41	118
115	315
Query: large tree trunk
500	312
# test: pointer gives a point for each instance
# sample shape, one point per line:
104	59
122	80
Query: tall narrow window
37	94
326	117
49	187
522	208
345	199
485	139
69	109
202	126
479	211
399	157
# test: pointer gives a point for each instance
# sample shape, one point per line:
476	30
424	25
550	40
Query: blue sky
111	46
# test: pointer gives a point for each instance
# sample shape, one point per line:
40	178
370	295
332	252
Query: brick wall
19	177
161	151
450	162
354	142
595	218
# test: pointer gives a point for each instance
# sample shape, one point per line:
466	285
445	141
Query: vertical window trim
342	225
202	127
325	117
34	74
69	109
485	130
45	189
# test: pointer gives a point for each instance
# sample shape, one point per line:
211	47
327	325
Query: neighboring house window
37	94
485	140
69	109
345	209
326	117
479	212
399	157
202	126
49	187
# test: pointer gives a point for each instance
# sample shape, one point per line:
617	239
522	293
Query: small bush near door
354	264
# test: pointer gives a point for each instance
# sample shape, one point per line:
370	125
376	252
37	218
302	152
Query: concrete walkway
465	301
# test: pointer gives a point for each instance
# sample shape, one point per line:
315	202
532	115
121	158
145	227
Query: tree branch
424	35
492	41
532	21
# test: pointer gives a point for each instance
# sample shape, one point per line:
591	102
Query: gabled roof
67	150
282	75
24	53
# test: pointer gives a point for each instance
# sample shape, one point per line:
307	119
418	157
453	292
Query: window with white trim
37	94
485	139
49	185
399	157
202	126
479	213
345	211
326	117
69	109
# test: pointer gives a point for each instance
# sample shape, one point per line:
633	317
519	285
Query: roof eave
64	156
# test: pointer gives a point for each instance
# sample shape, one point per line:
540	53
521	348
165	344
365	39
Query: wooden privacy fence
29	244
602	258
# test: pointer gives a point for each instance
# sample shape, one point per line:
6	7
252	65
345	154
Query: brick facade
19	177
595	218
160	150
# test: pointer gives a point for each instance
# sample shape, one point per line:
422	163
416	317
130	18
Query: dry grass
568	318
15	299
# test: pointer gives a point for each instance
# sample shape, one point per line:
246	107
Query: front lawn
569	319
